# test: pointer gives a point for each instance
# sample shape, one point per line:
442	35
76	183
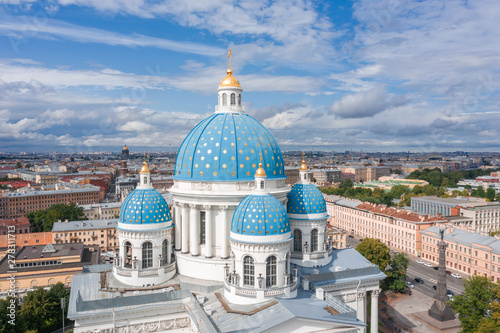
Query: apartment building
326	175
102	211
477	218
363	174
100	233
432	205
397	228
468	252
28	199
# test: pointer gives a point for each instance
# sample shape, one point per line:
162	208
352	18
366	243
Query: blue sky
91	75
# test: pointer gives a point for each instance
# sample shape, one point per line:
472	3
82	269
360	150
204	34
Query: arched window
314	240
145	180
127	249
224	99
164	252
233	99
52	281
67	281
271	271
33	284
248	271
297	240
147	255
239	99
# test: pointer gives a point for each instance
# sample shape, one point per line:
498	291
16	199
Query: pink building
397	228
469	252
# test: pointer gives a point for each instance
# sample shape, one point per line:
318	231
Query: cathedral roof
305	199
144	206
260	215
226	147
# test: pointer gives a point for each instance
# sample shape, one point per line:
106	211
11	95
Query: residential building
338	237
321	176
433	205
102	211
398	228
46	178
100	233
125	185
367	173
29	239
469	252
478	218
27	199
46	265
20	225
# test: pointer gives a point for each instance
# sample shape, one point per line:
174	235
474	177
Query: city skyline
87	76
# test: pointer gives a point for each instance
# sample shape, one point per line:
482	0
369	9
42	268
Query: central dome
226	147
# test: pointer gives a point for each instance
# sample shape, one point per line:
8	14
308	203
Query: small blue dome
260	215
305	199
144	206
226	147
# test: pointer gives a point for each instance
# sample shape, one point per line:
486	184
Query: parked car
427	264
436	267
420	262
419	280
409	284
455	275
448	272
449	293
361	239
434	287
351	236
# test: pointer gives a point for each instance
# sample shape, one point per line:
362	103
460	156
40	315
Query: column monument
440	310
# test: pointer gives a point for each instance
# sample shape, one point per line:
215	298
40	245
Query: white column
169	251
374	314
361	307
194	220
280	271
177	226
225	234
208	232
185	229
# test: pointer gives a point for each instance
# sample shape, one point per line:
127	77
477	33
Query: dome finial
144	168
303	167
229	71
260	171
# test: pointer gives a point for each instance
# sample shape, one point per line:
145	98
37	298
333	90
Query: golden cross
229	56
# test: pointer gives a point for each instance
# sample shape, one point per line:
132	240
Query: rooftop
84	225
464	237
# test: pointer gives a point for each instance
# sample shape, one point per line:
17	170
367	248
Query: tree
6	316
472	306
492	322
490	194
41	308
375	251
42	220
346	183
399	266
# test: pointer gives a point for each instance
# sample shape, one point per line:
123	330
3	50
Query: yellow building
90	232
45	265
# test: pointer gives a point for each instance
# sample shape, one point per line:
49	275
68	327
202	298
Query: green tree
42	220
490	194
346	183
399	266
8	317
18	165
41	308
375	251
473	305
491	323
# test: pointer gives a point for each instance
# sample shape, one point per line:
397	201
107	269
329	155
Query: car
409	284
419	280
420	262
351	236
434	287
455	275
448	272
436	267
449	293
428	264
361	239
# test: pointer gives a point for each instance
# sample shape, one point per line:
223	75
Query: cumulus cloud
365	104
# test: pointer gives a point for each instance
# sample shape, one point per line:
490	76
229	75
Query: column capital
193	206
182	205
207	207
376	293
223	207
361	295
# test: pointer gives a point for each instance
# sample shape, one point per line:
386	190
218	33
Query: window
224	99
314	240
271	271
145	180
164	251
128	254
202	227
233	99
297	240
147	255
239	99
248	271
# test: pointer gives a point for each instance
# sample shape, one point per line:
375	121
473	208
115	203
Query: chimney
66	221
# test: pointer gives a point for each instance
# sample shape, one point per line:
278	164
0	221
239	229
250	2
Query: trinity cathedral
241	252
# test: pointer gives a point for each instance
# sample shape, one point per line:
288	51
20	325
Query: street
428	274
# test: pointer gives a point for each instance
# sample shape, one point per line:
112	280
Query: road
428	274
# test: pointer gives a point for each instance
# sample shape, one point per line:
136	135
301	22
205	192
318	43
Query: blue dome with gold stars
144	206
226	147
260	215
305	199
